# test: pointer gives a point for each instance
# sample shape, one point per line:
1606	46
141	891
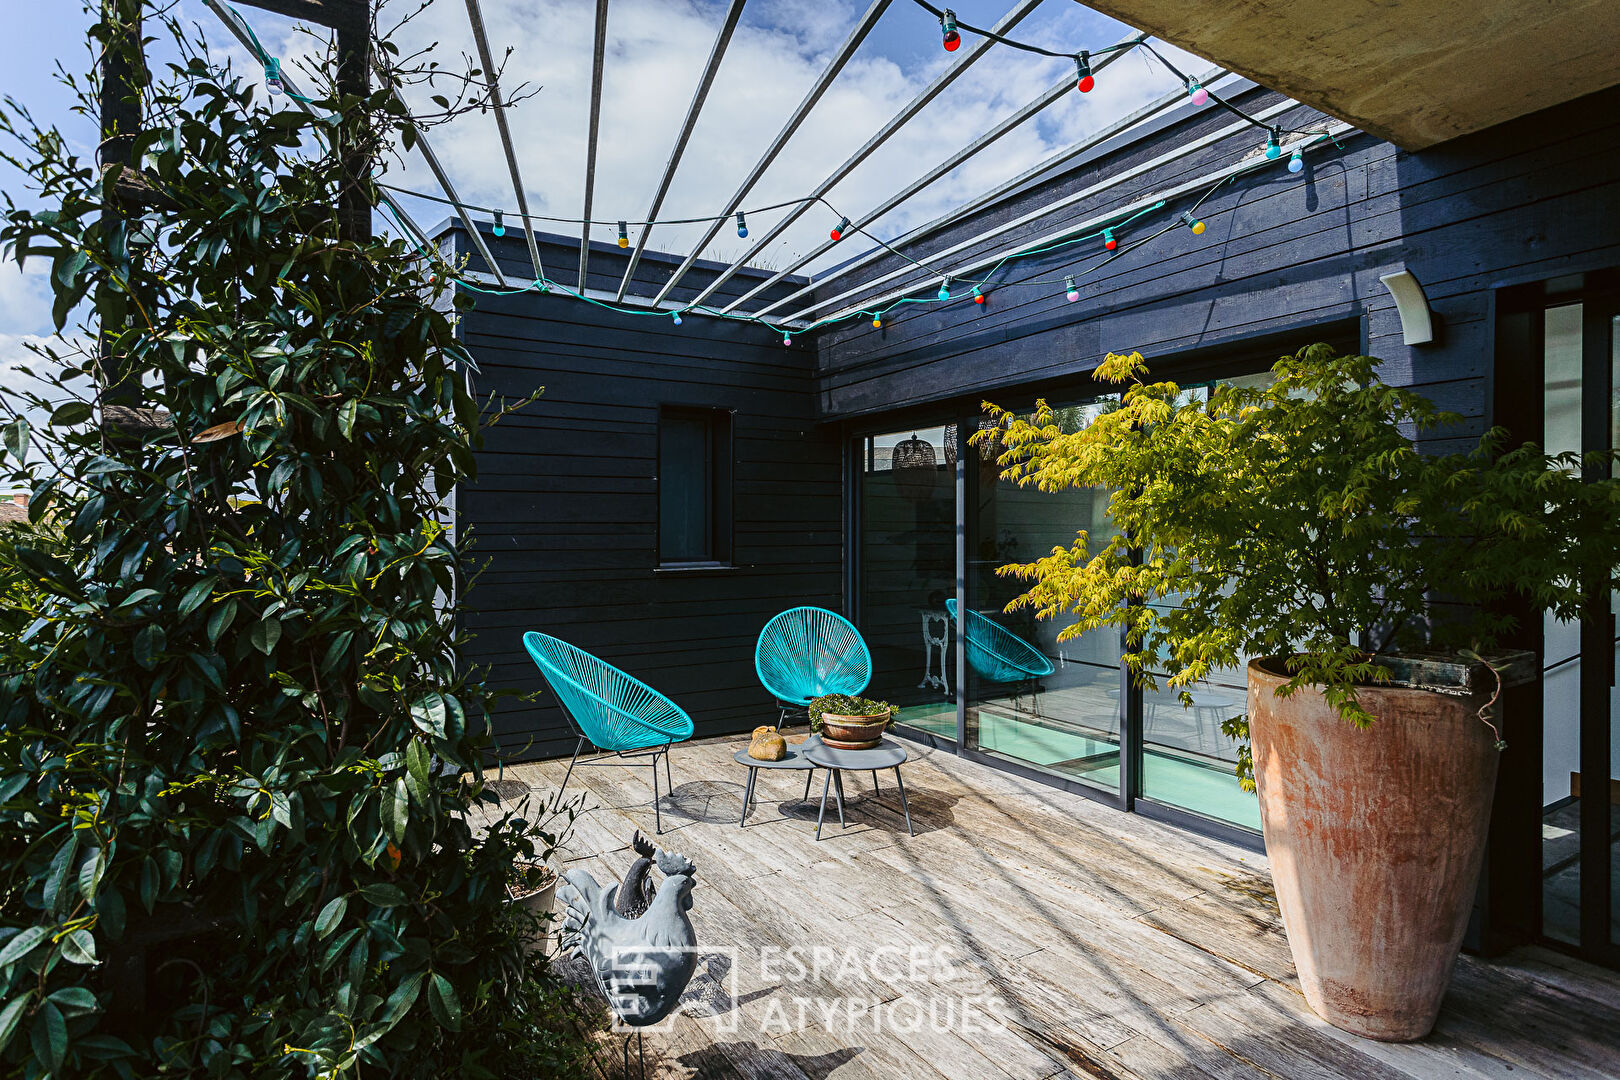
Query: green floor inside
1210	788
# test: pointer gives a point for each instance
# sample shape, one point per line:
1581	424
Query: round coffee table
888	754
796	759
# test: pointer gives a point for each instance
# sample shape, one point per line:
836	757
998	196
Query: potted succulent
1299	525
534	888
850	723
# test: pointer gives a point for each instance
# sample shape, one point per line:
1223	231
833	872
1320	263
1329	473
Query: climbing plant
241	801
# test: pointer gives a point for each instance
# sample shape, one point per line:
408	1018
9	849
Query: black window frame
720	426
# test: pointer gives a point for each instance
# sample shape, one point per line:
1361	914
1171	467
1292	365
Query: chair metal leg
903	804
658	820
578	746
820	817
838	786
671	784
748	796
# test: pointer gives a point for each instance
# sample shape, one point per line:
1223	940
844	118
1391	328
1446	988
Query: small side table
888	754
796	759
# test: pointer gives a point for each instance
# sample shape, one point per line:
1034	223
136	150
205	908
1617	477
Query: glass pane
908	571
685	517
1561	659
1050	704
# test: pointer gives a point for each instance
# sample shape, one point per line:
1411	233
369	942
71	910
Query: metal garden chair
610	710
999	655
806	652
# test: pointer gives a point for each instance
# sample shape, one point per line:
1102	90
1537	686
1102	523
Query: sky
656	52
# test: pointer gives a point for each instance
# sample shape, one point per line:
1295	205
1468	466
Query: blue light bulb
676	316
1272	149
1296	161
742	226
945	289
500	226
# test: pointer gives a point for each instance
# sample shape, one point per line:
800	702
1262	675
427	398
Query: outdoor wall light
1417	323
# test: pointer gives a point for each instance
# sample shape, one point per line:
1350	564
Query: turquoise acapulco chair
610	710
999	655
806	652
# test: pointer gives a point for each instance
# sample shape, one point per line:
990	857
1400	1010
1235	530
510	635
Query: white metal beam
710	69
475	15
598	59
929	92
836	65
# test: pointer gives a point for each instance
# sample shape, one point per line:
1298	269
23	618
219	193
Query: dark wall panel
563	516
1282	253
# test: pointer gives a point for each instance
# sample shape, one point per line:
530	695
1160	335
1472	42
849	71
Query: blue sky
656	51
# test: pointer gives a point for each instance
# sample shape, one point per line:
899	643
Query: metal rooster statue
638	941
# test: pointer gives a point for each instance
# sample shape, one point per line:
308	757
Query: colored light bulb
787	339
840	229
1071	291
624	235
272	77
945	289
877	322
676	316
1082	73
500	226
1273	150
742	225
1199	95
978	297
952	39
1192	223
1296	161
1108	240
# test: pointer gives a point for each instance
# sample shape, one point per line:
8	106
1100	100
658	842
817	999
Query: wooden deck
1070	938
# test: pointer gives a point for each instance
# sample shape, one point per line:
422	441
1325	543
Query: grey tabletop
796	757
886	755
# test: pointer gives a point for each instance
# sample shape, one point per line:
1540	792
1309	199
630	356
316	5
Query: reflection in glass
1044	703
908	571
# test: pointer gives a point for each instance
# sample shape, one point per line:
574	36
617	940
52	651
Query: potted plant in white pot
1299	524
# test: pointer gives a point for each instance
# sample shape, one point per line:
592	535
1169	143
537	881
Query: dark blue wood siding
564	512
1282	254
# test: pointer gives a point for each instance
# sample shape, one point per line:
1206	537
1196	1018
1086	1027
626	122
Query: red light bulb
979	299
947	25
1108	240
1085	84
839	230
1082	71
952	42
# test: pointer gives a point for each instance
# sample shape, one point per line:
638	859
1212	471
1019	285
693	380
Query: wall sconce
1417	322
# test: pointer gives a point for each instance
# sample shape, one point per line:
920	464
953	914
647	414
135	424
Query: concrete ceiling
1415	72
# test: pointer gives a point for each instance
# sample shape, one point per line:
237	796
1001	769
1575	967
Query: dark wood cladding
563	516
1283	254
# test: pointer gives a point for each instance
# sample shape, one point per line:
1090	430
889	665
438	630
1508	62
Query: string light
742	225
978	297
877	322
1082	67
272	77
947	28
840	229
624	235
787	339
1108	240
1296	161
1071	291
1273	149
1199	95
1192	223
676	316
945	289
500	226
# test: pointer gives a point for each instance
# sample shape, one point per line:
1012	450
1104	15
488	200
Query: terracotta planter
1375	838
852	732
540	901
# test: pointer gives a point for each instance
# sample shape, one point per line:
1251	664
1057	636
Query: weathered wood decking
1083	941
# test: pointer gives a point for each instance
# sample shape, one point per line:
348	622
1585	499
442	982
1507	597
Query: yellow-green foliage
1301	520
